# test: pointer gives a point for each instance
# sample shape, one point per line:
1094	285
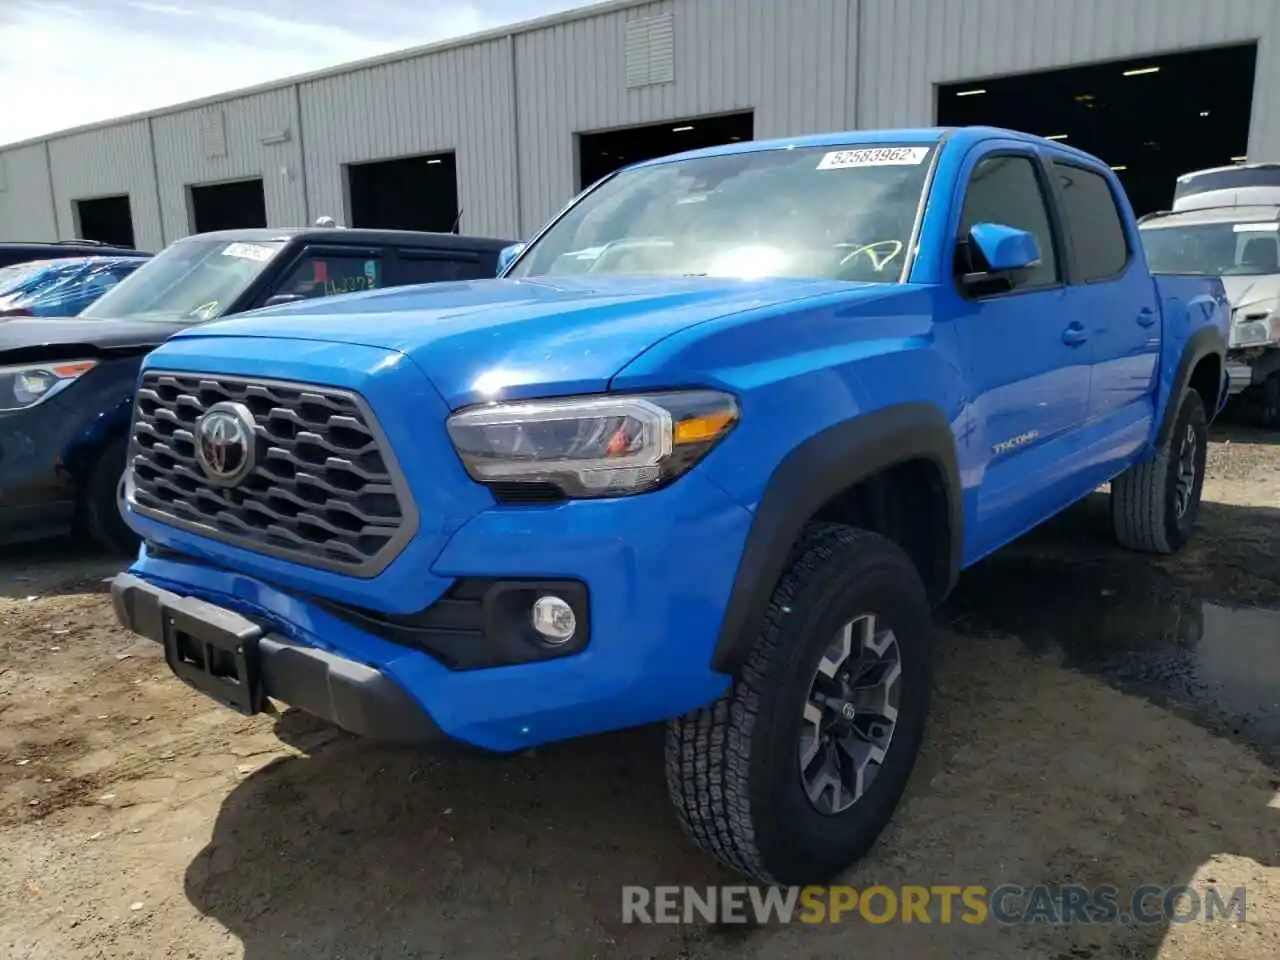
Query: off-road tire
733	768
99	502
1144	498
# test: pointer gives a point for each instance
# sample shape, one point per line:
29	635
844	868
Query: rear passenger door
1028	373
429	265
1114	297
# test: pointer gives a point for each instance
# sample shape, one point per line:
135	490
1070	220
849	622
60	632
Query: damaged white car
1225	222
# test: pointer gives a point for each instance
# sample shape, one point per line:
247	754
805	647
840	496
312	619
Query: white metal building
510	106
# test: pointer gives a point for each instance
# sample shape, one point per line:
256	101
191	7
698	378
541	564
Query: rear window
1094	220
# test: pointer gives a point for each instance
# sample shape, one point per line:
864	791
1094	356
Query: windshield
1214	249
192	279
812	212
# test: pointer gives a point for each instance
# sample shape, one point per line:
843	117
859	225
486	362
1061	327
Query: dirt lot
1099	719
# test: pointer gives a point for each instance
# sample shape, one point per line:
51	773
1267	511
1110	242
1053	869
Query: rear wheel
1154	504
100	503
793	774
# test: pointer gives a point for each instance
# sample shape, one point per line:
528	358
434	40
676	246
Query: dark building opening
599	154
1152	119
105	219
412	193
228	206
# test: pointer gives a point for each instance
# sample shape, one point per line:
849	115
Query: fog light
554	620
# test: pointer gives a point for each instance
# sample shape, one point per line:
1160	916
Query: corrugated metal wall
26	206
512	106
908	46
107	162
790	62
225	142
459	99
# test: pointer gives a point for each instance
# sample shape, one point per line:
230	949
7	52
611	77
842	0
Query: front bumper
37	495
1239	376
45	449
238	662
656	571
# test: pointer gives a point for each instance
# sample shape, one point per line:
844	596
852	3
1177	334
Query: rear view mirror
507	255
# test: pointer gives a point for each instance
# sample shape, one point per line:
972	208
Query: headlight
27	385
602	446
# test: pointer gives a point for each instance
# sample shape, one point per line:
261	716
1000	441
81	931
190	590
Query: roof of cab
1260	213
88	246
355	235
914	136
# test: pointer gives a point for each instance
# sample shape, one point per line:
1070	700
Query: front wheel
792	775
1154	503
100	501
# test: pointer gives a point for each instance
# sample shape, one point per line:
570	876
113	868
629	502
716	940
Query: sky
69	62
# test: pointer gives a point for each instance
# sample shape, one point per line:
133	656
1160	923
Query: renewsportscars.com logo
1008	904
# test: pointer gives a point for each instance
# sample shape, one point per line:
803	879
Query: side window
1006	190
1089	207
328	275
437	268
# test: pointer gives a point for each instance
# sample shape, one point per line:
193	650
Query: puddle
1128	623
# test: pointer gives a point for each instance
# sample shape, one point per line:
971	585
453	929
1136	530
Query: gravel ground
1099	718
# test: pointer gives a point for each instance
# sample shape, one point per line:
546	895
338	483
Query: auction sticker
248	251
873	157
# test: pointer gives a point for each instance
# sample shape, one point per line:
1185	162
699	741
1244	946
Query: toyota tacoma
707	453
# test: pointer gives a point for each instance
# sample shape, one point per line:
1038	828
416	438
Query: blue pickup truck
708	452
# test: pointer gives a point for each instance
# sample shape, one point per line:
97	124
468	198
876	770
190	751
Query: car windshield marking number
873	157
248	251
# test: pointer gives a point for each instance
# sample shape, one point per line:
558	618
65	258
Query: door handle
1074	335
1146	316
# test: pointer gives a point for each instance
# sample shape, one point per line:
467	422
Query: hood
1253	294
40	338
477	340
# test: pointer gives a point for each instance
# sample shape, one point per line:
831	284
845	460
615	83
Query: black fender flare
808	477
1205	342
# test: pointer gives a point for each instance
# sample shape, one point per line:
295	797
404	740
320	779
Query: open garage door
599	154
1151	119
409	193
237	205
105	219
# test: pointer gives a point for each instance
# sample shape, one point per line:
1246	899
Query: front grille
324	491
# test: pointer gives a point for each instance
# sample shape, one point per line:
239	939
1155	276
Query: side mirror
279	298
998	254
1005	249
507	255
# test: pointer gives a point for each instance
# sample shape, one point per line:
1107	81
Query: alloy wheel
1186	477
850	714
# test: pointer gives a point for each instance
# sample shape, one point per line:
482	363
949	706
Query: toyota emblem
224	442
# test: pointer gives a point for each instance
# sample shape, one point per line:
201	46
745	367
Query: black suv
11	253
67	384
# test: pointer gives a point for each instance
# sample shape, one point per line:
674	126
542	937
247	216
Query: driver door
1027	368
